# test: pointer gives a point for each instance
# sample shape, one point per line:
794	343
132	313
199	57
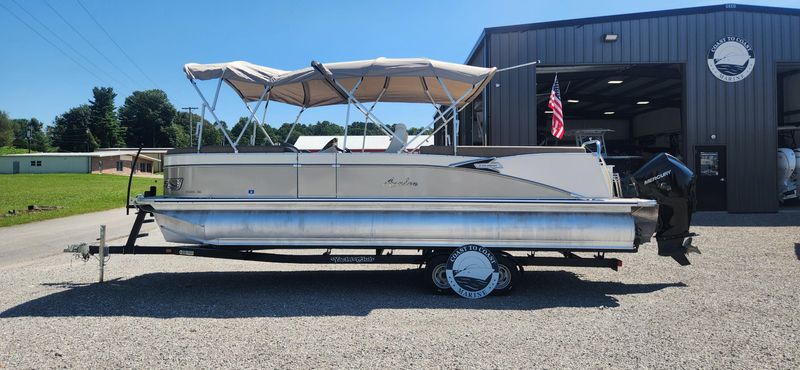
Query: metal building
711	85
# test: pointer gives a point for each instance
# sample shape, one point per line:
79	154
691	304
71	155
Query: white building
356	143
113	161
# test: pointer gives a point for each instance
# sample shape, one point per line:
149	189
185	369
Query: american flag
557	128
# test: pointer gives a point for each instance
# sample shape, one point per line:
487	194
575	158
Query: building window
36	163
150	167
142	167
119	166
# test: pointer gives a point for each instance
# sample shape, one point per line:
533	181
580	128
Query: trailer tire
436	274
509	274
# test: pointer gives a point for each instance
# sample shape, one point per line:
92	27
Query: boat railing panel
229	149
498	151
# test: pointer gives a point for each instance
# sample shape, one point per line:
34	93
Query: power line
89	42
65	42
54	45
115	43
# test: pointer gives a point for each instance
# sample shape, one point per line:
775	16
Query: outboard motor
670	183
787	171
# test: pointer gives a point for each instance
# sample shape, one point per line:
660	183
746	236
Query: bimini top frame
355	83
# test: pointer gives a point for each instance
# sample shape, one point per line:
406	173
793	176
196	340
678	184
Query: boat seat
331	147
498	151
399	139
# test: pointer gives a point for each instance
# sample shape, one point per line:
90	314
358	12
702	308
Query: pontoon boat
440	200
504	198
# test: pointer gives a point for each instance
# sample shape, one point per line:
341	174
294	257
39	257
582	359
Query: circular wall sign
472	271
731	59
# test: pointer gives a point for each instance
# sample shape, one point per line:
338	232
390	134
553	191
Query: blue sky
36	80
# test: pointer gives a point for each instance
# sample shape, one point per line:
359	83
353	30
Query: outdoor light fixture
573	101
615	82
643	102
608	113
610	37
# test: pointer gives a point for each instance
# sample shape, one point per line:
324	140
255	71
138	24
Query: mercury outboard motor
670	183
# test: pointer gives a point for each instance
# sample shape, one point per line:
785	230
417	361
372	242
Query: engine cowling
670	183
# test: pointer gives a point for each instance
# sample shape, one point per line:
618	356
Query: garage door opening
637	108
788	80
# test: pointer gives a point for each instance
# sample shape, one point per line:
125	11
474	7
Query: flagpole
519	66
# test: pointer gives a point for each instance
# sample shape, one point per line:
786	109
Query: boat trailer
508	267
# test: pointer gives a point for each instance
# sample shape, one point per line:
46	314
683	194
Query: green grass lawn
75	193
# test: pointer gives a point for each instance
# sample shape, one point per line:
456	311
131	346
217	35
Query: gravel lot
738	306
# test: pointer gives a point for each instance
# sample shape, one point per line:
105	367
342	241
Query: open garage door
788	156
639	109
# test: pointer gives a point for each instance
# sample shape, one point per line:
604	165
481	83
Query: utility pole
191	135
30	134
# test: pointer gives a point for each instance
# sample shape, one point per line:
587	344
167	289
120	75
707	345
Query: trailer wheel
509	273
436	274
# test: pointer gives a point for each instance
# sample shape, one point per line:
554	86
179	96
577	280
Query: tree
325	128
38	140
6	130
211	136
414	130
177	136
105	126
71	130
357	128
237	128
146	117
20	130
282	132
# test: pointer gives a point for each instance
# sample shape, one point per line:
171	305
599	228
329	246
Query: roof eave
640	15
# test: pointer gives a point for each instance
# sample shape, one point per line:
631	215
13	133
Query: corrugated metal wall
742	115
49	164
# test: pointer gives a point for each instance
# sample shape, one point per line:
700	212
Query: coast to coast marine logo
731	59
472	271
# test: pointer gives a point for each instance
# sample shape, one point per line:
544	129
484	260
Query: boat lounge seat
498	151
399	138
